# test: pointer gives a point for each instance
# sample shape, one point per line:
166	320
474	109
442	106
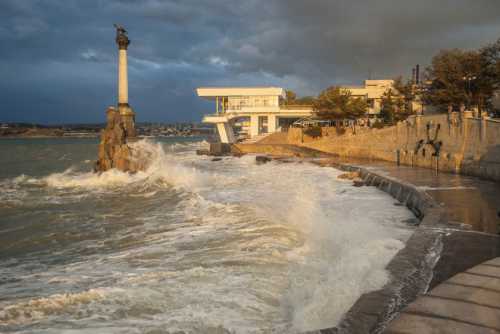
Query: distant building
251	111
372	91
4	126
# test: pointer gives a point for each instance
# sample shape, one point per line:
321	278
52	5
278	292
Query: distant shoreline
90	136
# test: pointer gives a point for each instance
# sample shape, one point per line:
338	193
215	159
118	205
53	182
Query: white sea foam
162	168
245	248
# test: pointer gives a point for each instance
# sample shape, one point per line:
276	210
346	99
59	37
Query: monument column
122	77
126	112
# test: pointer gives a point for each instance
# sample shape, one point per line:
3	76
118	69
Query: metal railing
296	106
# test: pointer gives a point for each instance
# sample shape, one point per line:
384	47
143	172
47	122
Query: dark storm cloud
58	58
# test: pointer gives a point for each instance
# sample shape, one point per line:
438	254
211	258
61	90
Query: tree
336	103
389	108
407	94
490	71
290	97
306	100
462	77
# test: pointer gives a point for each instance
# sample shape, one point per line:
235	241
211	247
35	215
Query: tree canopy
336	103
292	99
464	77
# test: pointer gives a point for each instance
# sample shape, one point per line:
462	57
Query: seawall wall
449	142
434	252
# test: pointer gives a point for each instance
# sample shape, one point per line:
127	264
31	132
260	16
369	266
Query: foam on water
198	245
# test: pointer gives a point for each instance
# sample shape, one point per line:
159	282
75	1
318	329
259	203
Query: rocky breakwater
116	149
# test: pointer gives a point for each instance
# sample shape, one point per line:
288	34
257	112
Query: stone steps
468	302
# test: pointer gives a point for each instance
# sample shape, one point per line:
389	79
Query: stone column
122	76
271	123
254	125
126	112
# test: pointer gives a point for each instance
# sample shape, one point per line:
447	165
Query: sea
194	244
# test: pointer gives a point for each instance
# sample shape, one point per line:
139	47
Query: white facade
254	110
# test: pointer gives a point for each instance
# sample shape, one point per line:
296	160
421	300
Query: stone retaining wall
452	143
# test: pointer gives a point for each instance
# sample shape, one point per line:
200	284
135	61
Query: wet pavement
469	202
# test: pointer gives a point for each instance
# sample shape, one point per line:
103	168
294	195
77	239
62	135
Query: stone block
220	148
494	262
485	270
452	309
466	293
419	324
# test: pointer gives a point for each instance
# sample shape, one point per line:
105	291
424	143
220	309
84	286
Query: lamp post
468	80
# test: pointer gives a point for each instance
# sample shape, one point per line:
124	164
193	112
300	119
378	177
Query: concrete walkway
469	302
470	202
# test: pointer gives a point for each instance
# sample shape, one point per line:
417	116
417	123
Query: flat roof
212	92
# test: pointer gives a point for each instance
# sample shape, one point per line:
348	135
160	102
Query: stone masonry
455	142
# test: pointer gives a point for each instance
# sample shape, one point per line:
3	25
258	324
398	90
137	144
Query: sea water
191	245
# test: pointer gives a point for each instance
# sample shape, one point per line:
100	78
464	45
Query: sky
58	58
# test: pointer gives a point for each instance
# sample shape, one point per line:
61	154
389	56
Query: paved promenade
470	202
468	302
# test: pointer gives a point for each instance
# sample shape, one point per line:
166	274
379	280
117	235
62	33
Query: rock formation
114	149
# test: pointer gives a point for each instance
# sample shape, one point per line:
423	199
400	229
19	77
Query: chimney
417	74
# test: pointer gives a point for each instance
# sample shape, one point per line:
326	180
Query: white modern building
252	110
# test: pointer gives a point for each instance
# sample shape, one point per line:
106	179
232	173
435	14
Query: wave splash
162	168
278	247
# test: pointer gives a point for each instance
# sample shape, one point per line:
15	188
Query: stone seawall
451	143
411	269
436	251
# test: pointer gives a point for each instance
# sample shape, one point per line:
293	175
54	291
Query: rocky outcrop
116	149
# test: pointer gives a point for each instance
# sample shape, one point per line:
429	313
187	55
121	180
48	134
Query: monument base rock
116	149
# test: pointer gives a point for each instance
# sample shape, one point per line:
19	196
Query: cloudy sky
58	57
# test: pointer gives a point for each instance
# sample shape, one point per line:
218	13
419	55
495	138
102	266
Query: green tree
336	103
389	107
406	92
306	100
490	72
290	97
462	77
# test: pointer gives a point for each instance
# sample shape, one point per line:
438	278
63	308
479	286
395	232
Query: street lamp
468	79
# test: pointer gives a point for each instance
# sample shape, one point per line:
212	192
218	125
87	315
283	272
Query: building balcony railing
296	106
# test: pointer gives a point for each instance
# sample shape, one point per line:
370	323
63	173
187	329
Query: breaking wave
192	244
